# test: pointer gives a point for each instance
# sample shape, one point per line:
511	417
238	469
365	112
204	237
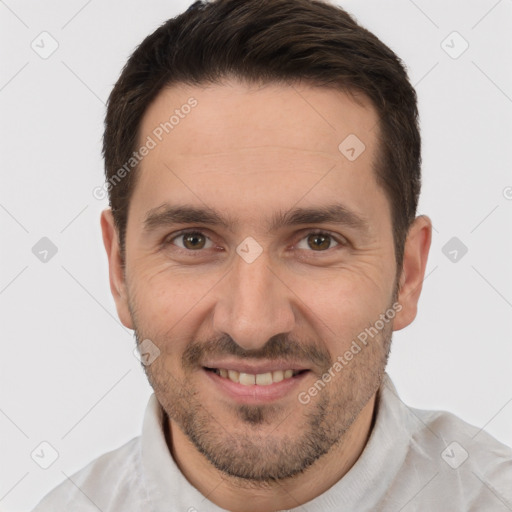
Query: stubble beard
247	443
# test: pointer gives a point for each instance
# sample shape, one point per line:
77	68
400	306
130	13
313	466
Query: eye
318	241
191	240
195	241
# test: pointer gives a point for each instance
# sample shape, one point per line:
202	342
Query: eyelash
338	239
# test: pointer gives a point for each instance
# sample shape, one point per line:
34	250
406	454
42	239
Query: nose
254	304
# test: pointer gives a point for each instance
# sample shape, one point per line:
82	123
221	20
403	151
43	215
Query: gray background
68	374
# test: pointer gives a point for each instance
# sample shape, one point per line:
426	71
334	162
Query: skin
249	151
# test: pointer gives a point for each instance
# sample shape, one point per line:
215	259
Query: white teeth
277	376
234	375
264	379
261	379
247	379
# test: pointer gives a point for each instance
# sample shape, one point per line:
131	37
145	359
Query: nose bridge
255	305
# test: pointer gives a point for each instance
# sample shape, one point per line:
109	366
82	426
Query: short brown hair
271	41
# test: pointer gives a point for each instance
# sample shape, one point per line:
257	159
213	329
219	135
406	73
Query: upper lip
255	368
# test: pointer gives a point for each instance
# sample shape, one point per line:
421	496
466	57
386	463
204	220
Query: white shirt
414	460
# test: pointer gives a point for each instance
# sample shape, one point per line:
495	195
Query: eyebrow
167	214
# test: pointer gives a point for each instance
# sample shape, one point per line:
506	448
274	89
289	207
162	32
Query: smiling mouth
260	379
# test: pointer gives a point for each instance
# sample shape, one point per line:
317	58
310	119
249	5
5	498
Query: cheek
173	303
168	301
343	304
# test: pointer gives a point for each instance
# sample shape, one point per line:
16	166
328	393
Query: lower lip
255	394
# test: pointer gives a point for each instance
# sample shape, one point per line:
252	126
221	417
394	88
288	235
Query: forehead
232	114
281	142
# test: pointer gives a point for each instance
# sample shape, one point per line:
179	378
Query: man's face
257	296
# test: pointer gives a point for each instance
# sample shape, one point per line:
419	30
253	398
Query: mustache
278	347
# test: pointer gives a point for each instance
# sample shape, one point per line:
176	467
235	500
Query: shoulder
442	429
467	466
113	481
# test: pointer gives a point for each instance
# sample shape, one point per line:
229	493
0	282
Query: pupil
190	240
324	244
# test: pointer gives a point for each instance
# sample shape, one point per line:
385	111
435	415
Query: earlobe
115	266
416	251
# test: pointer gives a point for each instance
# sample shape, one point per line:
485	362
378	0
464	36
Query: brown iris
190	240
323	241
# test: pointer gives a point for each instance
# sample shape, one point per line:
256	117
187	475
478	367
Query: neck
240	495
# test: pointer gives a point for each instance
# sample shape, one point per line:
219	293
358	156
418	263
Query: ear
115	267
416	250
